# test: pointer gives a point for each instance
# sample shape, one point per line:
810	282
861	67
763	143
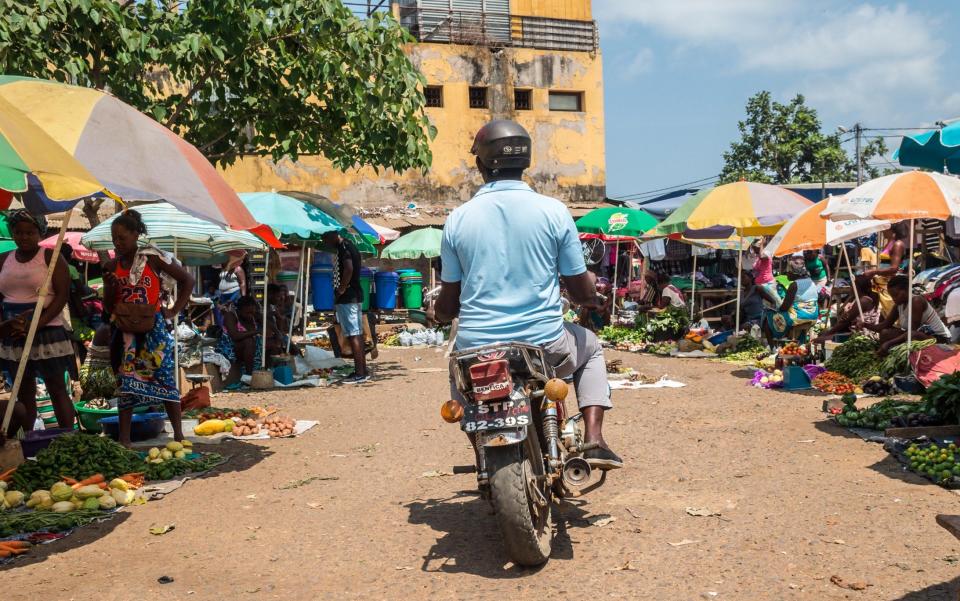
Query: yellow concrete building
535	61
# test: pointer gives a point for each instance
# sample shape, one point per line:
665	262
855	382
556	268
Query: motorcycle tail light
451	411
491	380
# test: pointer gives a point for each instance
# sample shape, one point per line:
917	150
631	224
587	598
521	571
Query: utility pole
857	128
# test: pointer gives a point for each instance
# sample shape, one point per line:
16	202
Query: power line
695	182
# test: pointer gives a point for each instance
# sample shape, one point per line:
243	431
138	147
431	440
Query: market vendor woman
141	349
22	273
799	306
893	329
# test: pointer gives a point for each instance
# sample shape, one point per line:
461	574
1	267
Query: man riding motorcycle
503	254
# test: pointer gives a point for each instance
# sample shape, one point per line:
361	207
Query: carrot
8	475
94	479
15	544
69	480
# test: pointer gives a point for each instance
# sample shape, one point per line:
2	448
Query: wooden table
715	296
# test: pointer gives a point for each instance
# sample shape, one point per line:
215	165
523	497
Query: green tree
783	144
277	78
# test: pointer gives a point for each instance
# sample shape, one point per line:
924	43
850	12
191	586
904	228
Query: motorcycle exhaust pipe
576	472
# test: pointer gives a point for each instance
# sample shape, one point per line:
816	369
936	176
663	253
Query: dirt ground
800	501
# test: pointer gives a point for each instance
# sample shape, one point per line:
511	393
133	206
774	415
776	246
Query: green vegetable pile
13	523
943	398
672	322
878	416
618	334
744	350
78	456
897	362
173	468
937	463
856	358
660	348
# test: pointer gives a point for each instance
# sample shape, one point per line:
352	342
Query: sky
677	74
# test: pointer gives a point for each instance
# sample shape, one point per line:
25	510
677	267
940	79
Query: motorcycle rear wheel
527	534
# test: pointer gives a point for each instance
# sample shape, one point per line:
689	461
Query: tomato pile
832	382
792	349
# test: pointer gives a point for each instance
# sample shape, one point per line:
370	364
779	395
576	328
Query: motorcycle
528	446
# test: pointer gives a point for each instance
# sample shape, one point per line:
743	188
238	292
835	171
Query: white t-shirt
675	296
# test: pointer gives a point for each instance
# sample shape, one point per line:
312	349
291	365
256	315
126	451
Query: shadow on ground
945	591
469	539
84	535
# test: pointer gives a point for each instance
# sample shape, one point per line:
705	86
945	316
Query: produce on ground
13	523
208	413
101	404
888	413
13	547
246	427
669	323
834	383
793	349
763	379
618	334
939	463
943	398
278	425
214	426
897	362
173	450
76	456
173	468
660	348
856	358
878	386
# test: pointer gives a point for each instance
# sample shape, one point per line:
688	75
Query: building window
521	100
434	96
566	101
478	97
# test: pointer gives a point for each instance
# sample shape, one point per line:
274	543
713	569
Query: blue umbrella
932	150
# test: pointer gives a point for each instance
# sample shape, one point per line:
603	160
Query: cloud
642	63
869	61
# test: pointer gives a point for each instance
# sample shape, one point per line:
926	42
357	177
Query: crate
795	378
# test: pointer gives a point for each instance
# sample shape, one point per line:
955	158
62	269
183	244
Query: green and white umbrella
193	240
424	242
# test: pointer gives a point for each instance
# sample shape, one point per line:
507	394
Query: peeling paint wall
568	147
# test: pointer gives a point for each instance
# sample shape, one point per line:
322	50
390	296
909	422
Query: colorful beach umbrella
809	231
751	208
80	252
909	195
298	222
422	243
612	223
343	213
31	159
934	149
194	240
127	152
386	234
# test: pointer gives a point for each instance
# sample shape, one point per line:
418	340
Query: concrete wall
568	147
574	10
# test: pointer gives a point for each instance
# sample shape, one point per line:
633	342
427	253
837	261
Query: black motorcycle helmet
502	144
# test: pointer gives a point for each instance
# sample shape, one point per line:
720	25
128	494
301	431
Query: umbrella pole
296	293
263	334
739	280
693	287
306	288
34	324
176	331
910	294
616	264
853	281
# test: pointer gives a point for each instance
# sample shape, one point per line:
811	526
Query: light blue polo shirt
507	247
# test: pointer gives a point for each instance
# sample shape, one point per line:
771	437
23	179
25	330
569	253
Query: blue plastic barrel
387	283
321	284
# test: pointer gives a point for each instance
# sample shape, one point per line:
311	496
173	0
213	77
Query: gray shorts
577	353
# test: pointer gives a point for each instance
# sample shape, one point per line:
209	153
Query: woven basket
262	379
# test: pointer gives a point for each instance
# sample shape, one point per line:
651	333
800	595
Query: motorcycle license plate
495	415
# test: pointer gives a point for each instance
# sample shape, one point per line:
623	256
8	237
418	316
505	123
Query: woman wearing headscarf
141	349
51	356
799	306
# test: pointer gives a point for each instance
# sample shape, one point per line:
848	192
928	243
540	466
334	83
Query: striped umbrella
132	155
751	208
29	158
809	231
197	241
909	195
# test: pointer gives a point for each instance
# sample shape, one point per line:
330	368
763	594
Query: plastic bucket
387	284
366	285
321	285
411	291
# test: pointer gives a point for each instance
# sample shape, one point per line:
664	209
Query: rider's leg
589	379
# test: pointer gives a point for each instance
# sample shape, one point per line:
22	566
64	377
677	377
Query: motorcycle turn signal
556	390
451	411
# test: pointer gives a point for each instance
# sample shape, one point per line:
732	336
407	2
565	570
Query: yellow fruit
153	453
210	427
186	444
556	389
174	446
